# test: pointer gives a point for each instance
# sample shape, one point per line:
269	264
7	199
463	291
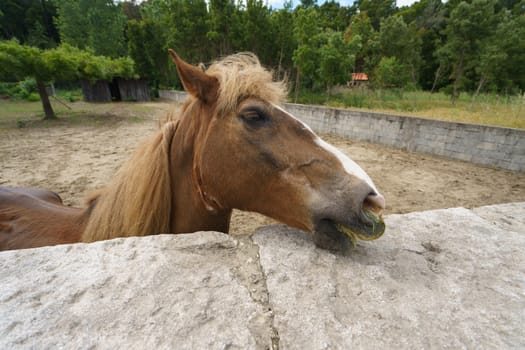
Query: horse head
250	154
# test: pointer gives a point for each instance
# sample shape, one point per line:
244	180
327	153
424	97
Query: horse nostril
374	202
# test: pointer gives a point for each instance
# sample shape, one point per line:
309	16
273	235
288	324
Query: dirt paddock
73	159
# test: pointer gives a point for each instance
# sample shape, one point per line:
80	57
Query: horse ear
195	81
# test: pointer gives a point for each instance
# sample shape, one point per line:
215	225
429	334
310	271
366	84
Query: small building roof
359	77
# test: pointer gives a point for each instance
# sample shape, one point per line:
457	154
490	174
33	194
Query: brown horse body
230	146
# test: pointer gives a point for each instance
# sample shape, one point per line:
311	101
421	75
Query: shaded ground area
76	156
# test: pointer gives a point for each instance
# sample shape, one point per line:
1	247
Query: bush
72	95
355	98
23	90
33	97
391	73
312	97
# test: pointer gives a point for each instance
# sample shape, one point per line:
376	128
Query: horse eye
253	116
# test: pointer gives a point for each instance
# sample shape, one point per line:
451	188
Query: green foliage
284	38
305	57
96	24
63	63
334	16
33	97
390	72
257	29
70	95
19	90
470	46
376	10
223	25
29	21
468	26
17	60
401	41
336	58
146	49
368	56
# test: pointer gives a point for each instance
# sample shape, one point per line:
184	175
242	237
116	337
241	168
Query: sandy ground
73	159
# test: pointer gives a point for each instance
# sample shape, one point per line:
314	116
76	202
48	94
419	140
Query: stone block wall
456	284
480	144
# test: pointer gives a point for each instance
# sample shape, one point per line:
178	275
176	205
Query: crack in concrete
251	274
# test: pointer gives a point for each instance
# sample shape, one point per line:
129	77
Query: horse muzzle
341	234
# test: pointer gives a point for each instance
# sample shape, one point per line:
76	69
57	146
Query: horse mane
137	202
241	75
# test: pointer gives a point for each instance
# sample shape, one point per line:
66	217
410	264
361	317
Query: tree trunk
458	72
280	62
413	74
437	75
480	85
297	86
48	109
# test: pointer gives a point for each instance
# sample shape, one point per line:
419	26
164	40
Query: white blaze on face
348	164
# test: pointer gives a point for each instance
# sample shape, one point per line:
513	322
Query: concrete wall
456	284
178	96
481	144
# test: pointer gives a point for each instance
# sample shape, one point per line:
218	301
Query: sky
277	4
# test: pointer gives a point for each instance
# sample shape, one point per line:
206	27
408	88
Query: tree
221	22
64	63
146	48
20	61
336	58
334	16
401	41
184	23
502	55
390	73
376	10
368	56
258	31
131	10
428	17
281	21
510	36
96	24
468	25
306	29
29	21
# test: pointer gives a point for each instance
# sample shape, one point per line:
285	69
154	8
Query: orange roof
359	76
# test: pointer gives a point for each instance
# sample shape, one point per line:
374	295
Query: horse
230	146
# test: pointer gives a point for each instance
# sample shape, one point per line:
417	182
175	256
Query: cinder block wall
178	96
481	144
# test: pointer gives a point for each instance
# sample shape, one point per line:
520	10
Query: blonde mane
137	202
240	76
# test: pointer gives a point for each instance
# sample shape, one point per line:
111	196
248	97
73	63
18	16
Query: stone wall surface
481	144
451	278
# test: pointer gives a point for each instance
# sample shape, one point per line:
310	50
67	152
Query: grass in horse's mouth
373	228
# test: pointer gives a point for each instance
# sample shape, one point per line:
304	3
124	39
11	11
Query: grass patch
487	109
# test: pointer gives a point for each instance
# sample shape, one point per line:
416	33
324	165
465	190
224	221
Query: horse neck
189	212
154	191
